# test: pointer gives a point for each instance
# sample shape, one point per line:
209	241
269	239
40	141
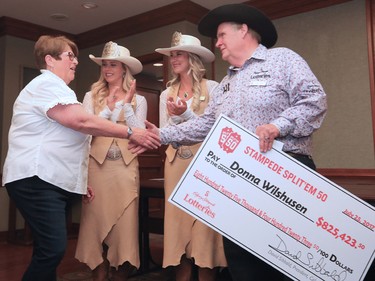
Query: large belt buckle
114	153
184	152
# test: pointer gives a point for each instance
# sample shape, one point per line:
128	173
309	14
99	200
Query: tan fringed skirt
112	217
183	234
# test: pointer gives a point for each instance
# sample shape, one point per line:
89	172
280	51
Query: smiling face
113	71
57	54
179	61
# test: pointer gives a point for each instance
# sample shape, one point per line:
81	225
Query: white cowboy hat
112	51
188	43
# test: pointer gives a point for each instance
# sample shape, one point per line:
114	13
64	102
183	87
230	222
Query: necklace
113	98
184	93
117	94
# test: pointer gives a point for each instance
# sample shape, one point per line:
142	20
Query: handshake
144	139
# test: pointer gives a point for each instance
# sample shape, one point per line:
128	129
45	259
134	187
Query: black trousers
244	266
44	207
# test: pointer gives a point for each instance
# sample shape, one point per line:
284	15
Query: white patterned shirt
274	86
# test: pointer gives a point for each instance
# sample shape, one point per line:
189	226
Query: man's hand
266	133
152	128
144	139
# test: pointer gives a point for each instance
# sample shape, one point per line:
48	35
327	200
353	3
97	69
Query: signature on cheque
308	261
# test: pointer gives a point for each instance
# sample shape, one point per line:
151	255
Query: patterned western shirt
274	86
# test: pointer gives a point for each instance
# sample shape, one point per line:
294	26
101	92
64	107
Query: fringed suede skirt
112	217
183	234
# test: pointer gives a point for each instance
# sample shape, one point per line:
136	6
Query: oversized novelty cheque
288	215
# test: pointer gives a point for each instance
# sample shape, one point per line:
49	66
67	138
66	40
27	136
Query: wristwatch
130	132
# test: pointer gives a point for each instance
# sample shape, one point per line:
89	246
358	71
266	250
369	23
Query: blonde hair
197	72
99	89
53	46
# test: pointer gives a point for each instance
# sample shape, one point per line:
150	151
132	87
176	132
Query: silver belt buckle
184	152
114	153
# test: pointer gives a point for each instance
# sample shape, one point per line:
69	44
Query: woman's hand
176	107
89	196
144	139
130	94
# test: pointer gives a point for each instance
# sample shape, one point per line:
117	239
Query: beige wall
334	43
331	40
18	53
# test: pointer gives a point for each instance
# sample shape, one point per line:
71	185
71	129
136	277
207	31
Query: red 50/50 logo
229	140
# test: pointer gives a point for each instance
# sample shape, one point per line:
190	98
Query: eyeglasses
70	55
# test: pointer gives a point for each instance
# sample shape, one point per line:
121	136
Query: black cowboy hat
239	13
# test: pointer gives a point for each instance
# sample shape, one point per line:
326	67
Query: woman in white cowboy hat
187	241
108	236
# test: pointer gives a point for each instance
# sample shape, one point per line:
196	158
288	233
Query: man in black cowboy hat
244	35
271	92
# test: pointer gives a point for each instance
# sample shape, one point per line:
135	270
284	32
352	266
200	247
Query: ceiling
81	20
33	17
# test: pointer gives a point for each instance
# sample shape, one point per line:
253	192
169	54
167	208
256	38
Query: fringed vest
100	146
203	101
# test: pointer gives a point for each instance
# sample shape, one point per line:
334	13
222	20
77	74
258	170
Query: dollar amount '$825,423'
336	233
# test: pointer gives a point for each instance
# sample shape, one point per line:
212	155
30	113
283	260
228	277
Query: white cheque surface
278	209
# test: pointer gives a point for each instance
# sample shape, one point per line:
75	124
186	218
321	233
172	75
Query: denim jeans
44	207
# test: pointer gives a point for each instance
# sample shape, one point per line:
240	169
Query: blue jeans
44	207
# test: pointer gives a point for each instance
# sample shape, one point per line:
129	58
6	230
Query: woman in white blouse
108	236
187	241
46	163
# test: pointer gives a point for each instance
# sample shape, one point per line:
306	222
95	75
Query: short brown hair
53	46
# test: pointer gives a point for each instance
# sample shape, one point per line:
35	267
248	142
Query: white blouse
40	146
